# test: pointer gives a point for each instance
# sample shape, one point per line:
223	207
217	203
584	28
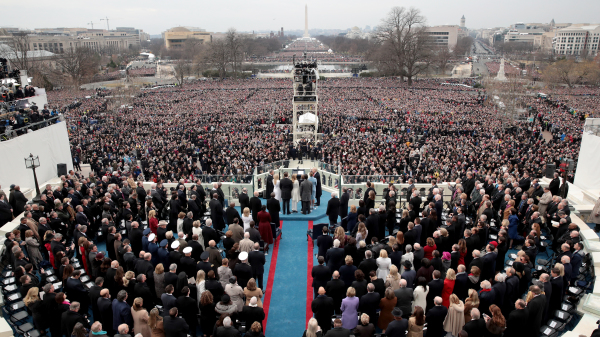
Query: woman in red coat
153	221
448	287
264	226
429	248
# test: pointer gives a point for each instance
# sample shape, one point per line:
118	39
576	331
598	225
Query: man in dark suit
536	308
324	242
216	212
416	202
189	309
576	260
336	289
71	317
306	194
141	192
372	224
142	290
322	308
489	262
105	309
168	300
121	310
333	208
255	206
461	284
319	191
410	237
286	186
338	330
320	274
231	213
476	326
367	191
274	208
368	264
269	187
397	327
435	318
175	326
335	256
344	199
555	298
256	259
135	237
209	233
94	295
476	260
405	296
369	302
19	201
244	199
76	291
436	285
517	320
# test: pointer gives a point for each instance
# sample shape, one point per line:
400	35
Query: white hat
187	250
243	256
151	237
175	244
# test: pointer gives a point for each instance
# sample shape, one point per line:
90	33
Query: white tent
307	118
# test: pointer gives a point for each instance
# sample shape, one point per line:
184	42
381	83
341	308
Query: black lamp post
32	162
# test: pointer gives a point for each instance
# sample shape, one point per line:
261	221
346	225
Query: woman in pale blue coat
350	309
313	180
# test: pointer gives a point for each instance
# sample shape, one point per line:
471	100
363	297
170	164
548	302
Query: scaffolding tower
305	101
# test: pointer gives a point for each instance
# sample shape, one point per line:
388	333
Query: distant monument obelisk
306	21
501	76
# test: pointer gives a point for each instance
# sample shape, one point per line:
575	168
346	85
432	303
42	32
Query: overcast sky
155	16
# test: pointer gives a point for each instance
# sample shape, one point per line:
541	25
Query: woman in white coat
420	294
277	187
383	264
295	193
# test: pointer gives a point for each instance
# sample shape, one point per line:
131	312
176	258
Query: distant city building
444	36
176	37
462	22
577	39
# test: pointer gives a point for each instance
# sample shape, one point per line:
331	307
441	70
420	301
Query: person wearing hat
225	306
235	292
204	264
242	270
163	253
145	241
253	313
175	255
153	248
161	232
187	263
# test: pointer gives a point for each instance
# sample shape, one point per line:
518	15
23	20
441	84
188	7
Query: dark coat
216	214
175	327
336	289
252	314
324	242
321	275
106	315
344	204
231	213
322	308
188	309
475	327
333	209
486	298
274	208
142	290
244	201
286	186
536	308
435	320
461	286
121	314
369	303
69	319
257	261
516	322
335	258
435	289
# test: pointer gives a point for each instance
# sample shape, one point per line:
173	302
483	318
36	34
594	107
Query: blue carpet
288	302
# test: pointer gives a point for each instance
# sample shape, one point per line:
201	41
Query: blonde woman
155	322
471	302
277	187
361	234
140	318
383	264
246	218
153	221
198	231
313	329
455	318
295	193
200	284
251	290
34	303
394	277
180	218
340	234
159	279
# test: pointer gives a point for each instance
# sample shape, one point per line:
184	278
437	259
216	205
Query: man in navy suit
256	259
324	242
576	260
321	274
461	284
335	256
435	289
369	302
76	291
121	311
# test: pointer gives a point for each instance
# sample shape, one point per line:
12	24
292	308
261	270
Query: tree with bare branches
570	72
77	64
402	37
218	56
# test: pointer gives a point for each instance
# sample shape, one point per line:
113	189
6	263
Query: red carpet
269	287
309	279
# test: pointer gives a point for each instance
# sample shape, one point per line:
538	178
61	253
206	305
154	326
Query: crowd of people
435	271
373	128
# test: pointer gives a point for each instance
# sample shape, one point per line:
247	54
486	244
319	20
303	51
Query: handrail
12	133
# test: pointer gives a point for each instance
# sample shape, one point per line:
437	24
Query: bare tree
570	72
235	48
76	64
218	56
402	36
440	58
182	68
20	59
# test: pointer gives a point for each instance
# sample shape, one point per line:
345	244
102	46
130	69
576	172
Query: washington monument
306	21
